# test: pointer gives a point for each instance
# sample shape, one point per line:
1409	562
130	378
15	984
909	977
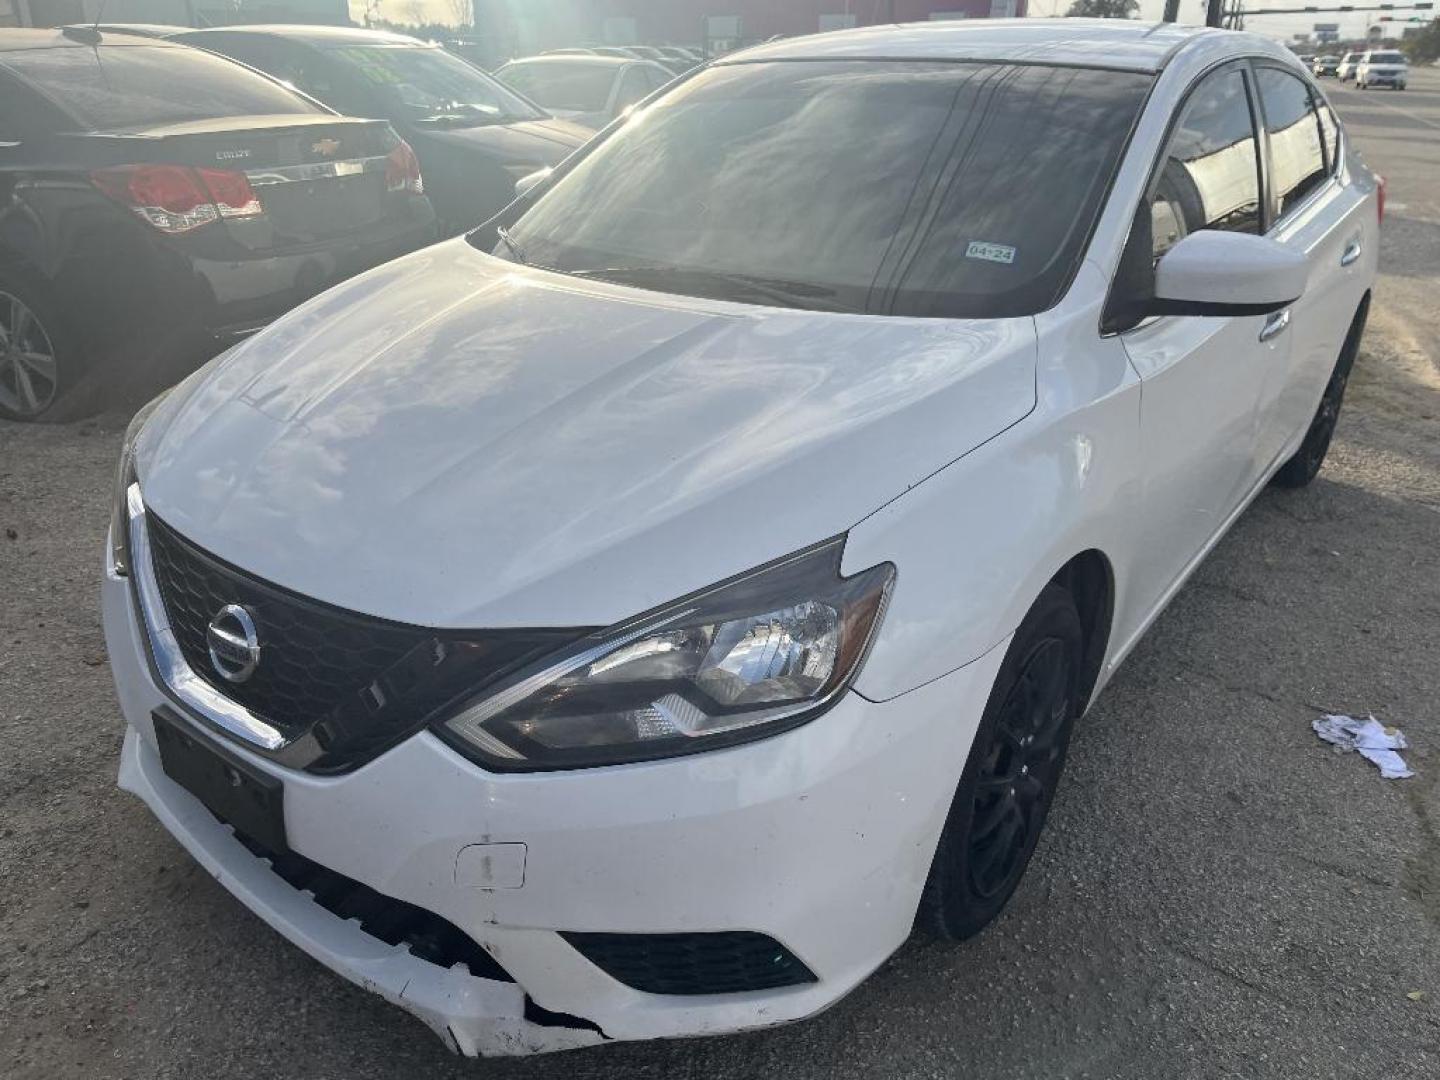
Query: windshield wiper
505	238
792	294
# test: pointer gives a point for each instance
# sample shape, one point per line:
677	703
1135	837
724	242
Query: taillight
402	170
231	193
177	198
1380	196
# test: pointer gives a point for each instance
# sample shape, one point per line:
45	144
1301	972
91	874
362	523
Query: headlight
124	477
753	656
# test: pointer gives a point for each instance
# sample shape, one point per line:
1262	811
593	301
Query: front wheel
1011	774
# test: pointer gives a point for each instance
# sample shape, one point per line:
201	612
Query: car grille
357	683
726	962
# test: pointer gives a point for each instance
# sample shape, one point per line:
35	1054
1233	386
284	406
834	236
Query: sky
1352	25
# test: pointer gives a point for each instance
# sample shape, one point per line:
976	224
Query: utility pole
1215	13
1172	11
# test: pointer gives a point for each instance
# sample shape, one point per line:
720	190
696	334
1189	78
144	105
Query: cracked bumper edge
474	1016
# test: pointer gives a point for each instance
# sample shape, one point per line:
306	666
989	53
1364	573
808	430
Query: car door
1312	211
1201	376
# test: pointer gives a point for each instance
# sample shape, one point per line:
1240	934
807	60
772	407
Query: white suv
1382	69
632	619
1348	64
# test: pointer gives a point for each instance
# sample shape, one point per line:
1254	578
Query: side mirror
1227	273
530	181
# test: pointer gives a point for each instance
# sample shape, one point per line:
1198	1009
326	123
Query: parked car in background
1382	68
474	136
589	90
1345	70
1325	66
639	627
157	202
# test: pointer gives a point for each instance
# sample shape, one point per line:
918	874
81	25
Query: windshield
902	188
562	85
430	83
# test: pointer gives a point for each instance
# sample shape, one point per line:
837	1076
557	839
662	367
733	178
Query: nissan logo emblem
233	643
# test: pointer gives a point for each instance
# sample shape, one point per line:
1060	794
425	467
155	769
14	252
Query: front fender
975	543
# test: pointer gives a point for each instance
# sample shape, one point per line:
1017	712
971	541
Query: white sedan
630	620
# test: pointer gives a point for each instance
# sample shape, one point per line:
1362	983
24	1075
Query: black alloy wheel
1010	777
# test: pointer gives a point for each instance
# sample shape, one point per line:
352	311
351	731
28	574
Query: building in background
172	12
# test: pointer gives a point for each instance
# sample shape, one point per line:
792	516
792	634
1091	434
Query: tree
462	12
1425	45
1103	9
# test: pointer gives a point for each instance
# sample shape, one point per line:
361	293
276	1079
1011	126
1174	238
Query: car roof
17	39
1125	44
316	35
591	59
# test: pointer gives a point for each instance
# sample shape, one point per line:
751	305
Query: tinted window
634	86
1210	175
916	188
301	68
655	77
139	86
569	87
24	115
430	83
1297	162
1387	58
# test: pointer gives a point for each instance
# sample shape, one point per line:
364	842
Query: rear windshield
920	188
1387	58
130	87
569	87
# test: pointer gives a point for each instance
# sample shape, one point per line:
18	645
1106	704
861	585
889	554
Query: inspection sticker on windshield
1000	253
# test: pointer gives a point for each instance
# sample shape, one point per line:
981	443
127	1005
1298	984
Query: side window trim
1272	220
1157	165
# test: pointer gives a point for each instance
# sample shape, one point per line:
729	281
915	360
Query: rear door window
1297	159
132	87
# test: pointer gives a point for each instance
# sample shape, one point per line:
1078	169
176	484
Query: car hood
545	142
453	440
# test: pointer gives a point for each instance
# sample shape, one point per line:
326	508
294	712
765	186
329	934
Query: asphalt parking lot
1217	895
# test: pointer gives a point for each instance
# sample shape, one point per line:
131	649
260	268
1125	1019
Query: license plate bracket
253	802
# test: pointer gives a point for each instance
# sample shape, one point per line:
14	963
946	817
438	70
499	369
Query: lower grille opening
427	935
725	962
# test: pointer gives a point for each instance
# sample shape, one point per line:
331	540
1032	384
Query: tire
1009	779
41	367
1306	461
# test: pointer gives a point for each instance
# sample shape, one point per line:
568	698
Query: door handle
1275	325
1351	253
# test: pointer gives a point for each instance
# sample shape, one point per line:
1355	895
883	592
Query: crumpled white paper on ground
1372	739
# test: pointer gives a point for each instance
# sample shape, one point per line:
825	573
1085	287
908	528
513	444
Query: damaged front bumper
475	1016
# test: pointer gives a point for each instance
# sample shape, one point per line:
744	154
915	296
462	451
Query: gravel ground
1217	894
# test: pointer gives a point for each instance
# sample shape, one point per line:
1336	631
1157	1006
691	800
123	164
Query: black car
475	137
1325	65
157	202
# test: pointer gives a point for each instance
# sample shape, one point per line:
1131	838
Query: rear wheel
40	367
1010	777
1306	462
